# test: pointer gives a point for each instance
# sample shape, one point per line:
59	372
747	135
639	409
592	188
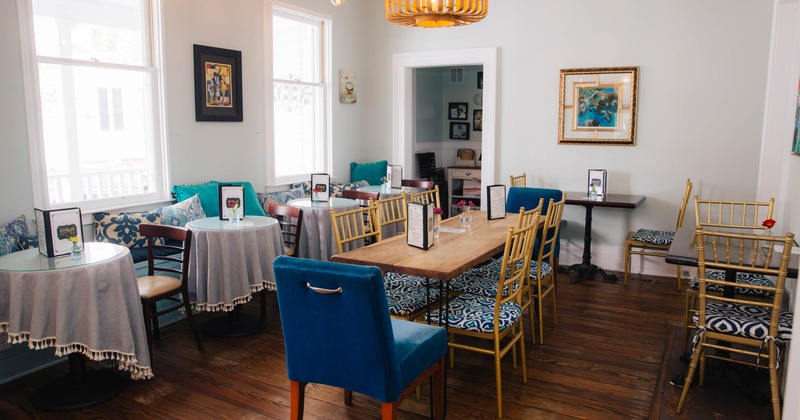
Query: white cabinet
463	184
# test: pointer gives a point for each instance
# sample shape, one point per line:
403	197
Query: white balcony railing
99	184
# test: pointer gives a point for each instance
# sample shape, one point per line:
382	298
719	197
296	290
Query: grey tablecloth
318	241
91	309
227	266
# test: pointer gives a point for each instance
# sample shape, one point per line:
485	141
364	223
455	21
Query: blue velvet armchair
338	332
529	198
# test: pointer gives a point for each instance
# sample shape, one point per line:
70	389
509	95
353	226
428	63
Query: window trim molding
33	109
327	77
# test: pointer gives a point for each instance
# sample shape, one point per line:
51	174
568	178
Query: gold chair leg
688	382
627	262
774	382
541	316
679	278
498	384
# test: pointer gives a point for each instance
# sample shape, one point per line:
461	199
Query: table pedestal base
582	272
233	324
79	389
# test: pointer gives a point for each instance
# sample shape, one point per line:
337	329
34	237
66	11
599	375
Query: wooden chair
338	332
418	183
429	196
348	226
291	221
362	197
518	181
391	211
655	243
498	318
168	251
738	216
754	328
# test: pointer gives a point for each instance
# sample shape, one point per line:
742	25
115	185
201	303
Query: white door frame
403	106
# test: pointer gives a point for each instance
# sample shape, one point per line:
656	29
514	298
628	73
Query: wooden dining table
455	251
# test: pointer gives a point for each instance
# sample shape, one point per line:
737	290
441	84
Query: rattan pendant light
435	13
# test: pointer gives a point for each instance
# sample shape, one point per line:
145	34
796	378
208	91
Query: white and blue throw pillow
180	214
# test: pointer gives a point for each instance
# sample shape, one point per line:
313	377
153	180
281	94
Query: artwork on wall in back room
796	139
347	87
217	84
477	120
598	106
459	131
458	110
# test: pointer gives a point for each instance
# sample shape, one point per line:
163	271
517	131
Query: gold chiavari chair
429	196
518	181
349	226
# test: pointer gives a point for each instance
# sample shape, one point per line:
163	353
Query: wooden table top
452	254
623	201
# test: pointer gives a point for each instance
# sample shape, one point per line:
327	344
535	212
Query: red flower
437	210
316	190
769	223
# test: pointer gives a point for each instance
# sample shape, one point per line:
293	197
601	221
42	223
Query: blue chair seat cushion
407	299
392	280
479	281
744	321
655	237
417	347
741	278
476	313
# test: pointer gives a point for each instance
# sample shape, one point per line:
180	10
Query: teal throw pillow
370	172
207	193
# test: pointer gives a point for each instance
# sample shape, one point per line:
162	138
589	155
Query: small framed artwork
217	84
480	80
459	131
477	120
231	202
597	183
320	187
347	87
598	106
458	110
57	229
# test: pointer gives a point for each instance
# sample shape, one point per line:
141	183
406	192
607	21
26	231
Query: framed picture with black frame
231	201
458	111
597	182
497	201
459	130
217	84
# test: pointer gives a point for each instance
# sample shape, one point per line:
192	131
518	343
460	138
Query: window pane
299	134
296	50
109	31
86	159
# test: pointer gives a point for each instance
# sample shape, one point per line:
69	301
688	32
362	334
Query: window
97	139
300	57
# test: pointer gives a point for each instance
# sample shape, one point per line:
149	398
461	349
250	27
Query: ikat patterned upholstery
336	187
476	313
15	236
180	214
123	228
744	321
657	237
743	278
407	294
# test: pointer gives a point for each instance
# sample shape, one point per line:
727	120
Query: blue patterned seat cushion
407	294
476	313
179	214
12	233
741	278
480	281
744	321
656	237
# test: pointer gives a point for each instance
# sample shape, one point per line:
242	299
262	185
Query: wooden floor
601	361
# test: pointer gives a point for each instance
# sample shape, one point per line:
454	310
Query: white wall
701	99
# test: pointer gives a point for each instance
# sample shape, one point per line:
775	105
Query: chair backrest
548	240
518	181
687	192
743	253
429	196
361	197
733	214
526	216
418	183
515	267
529	198
336	326
353	225
291	221
171	245
390	211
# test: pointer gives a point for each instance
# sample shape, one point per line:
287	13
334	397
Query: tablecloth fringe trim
126	361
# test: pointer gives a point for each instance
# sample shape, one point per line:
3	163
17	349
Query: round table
84	308
318	241
228	263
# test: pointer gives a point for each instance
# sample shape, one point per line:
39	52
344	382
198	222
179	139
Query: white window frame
301	14
30	66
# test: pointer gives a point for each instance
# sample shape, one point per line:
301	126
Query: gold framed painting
597	106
